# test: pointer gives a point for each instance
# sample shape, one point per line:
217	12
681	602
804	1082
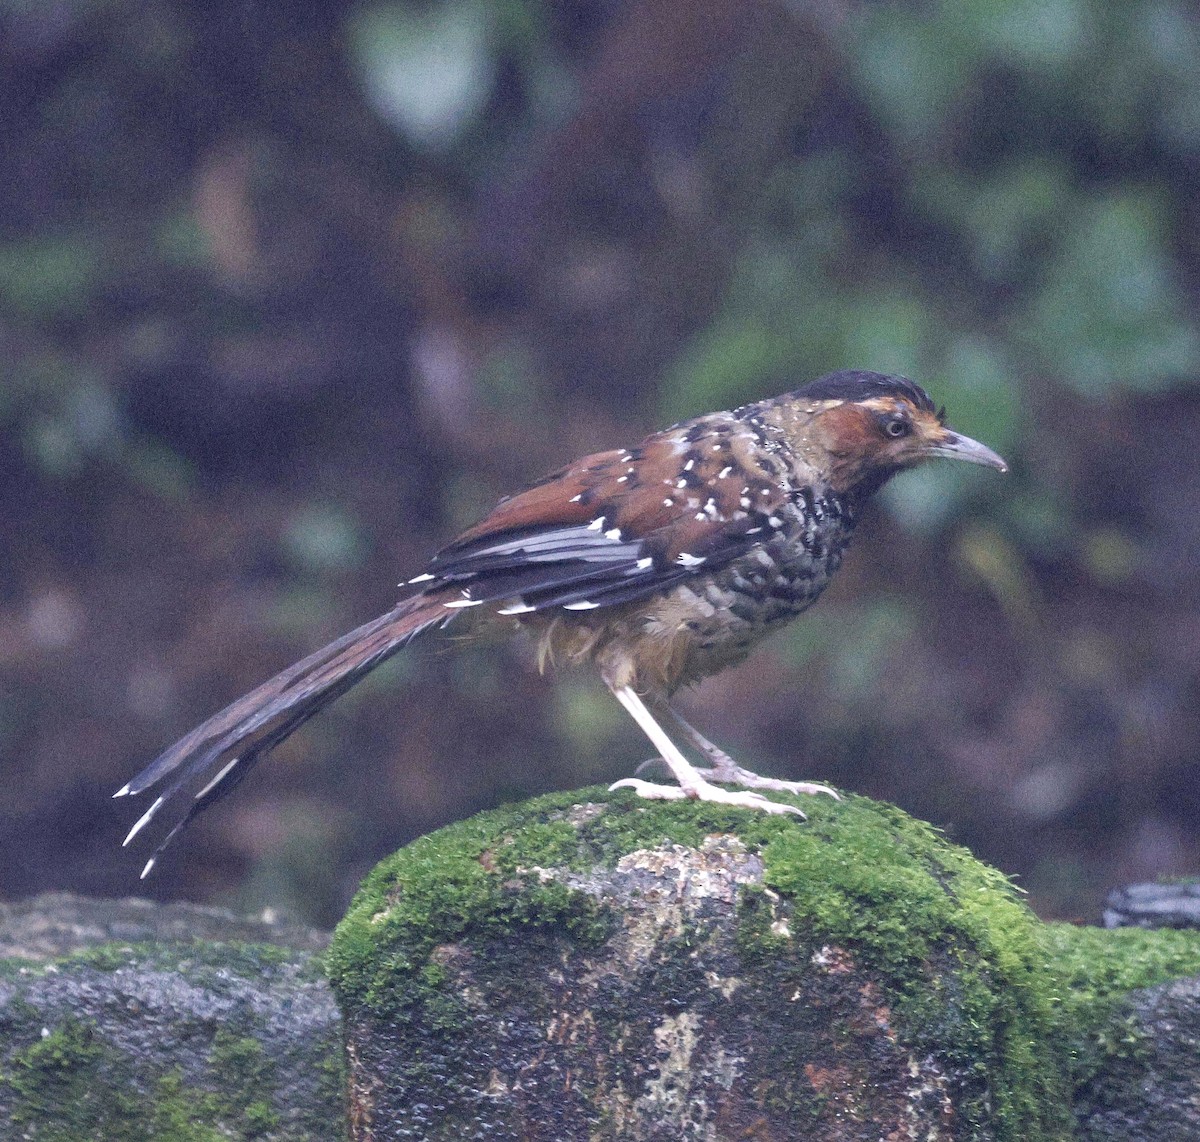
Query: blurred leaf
1040	520
1013	213
323	537
428	68
927	498
180	240
51	445
69	418
159	468
508	375
1001	566
48	276
912	69
466	499
879	628
888	330
1173	42
1036	34
982	400
980	392
722	366
855	640
382	683
1110	555
295	610
1109	311
587	714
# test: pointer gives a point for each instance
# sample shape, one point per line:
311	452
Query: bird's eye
897	427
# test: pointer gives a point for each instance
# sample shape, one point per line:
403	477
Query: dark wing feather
615	527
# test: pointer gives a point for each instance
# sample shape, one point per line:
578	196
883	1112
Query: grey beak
955	446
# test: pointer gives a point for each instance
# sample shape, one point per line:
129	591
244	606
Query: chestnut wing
614	527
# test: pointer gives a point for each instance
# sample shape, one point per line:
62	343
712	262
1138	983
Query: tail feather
229	743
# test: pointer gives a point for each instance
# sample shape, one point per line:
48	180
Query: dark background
291	292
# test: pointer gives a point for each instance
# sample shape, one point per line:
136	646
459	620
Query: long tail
230	742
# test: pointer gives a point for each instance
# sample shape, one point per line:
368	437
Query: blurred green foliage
1009	250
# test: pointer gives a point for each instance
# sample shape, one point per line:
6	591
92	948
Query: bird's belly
699	627
755	597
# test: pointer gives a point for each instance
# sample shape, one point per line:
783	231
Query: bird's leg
692	784
725	769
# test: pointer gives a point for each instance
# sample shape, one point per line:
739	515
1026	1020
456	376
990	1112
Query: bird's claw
651	763
749	780
704	791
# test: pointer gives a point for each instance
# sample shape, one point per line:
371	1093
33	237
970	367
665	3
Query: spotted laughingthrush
661	564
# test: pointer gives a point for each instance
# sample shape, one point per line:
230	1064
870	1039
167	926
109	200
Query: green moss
1018	1010
243	1074
14	967
471	880
333	1077
956	950
1091	972
235	957
70	1087
1094	965
181	1114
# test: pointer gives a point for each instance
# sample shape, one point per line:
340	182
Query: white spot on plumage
584	606
774	521
724	472
622	479
149	866
701	516
681	483
575	499
744	501
684	559
420	578
668	502
643	564
454	604
521	608
689	465
597	524
613	533
717	446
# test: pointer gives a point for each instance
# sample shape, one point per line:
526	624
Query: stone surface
624	970
58	923
1154	906
1151	1090
608	969
117	1025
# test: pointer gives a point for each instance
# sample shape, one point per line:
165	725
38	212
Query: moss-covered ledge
594	966
128	1021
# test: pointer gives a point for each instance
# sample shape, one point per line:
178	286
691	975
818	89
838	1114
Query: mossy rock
595	966
160	1037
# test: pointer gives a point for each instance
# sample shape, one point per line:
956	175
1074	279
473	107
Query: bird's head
862	428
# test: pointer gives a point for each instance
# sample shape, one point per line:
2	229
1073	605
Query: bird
659	564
